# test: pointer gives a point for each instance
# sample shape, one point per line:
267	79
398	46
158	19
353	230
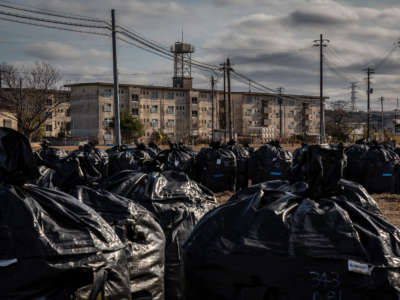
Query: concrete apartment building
186	113
60	118
8	119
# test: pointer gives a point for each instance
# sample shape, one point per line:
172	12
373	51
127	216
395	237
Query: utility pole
281	116
369	71
228	74
395	117
382	120
353	96
225	115
321	43
117	128
212	108
1	77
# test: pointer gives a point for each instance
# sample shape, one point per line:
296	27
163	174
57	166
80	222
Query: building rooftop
185	89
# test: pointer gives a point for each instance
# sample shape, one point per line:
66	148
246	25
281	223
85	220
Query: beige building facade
8	119
184	114
59	119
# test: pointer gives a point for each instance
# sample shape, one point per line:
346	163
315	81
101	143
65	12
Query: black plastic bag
272	241
153	149
355	169
177	158
121	161
216	168
57	245
177	202
50	243
17	164
270	162
93	162
67	173
143	238
243	158
49	156
380	168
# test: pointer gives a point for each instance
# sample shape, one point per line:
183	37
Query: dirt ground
389	204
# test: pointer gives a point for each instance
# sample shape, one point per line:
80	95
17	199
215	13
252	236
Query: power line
54	27
50	11
51	20
383	61
35	11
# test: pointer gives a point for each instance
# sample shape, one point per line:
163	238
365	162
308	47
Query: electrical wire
35	11
49	10
51	20
55	27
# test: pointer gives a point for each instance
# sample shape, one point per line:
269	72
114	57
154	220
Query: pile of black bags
177	203
322	238
52	245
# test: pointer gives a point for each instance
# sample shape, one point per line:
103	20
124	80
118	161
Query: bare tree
29	93
337	123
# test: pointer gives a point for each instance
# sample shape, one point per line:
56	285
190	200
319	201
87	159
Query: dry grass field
390	205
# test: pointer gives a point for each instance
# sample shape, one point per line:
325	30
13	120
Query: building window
195	113
107	93
277	115
135	98
107	137
49	102
154	109
107	123
209	124
107	107
194	100
170	123
154	95
49	128
170	95
291	114
49	115
154	123
248	112
170	110
203	95
7	123
135	111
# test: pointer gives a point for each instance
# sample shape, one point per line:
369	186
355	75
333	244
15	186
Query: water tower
182	65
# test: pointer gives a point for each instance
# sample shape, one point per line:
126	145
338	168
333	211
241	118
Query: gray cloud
263	39
55	51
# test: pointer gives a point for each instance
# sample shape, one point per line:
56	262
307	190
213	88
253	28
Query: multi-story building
186	113
57	110
59	120
8	119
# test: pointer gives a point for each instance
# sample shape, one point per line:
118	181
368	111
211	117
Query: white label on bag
218	161
360	268
176	163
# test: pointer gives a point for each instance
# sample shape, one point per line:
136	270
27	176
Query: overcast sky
268	40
